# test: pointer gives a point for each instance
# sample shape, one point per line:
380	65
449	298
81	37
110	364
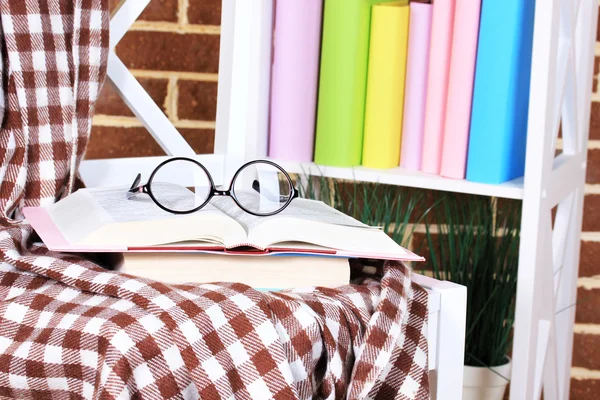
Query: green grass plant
469	240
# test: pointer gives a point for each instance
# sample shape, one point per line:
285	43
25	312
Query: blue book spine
500	108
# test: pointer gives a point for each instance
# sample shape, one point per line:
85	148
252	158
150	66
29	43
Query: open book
103	220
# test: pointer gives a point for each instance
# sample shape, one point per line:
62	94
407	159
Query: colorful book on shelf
460	88
342	82
261	272
104	220
385	85
501	94
416	85
437	84
297	48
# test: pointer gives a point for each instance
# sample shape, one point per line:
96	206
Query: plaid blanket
71	329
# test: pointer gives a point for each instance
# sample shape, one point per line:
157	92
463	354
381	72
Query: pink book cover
416	86
460	88
297	46
437	84
44	225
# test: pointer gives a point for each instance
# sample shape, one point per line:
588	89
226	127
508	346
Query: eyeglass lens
180	186
262	188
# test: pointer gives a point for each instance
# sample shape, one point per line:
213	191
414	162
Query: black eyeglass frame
147	188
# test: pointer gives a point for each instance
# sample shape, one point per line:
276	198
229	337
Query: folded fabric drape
71	329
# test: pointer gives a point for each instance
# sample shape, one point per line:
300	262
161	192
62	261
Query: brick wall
173	51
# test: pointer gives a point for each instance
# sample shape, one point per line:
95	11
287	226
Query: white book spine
244	81
260	78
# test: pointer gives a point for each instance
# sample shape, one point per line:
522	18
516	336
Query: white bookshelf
561	88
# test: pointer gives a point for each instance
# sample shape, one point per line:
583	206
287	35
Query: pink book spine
460	88
297	44
437	84
416	86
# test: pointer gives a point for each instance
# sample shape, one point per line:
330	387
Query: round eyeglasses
182	185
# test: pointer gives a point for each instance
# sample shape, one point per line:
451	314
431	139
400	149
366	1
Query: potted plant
469	240
474	241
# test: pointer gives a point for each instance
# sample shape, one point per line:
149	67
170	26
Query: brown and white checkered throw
70	329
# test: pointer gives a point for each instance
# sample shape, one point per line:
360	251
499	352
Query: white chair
447	301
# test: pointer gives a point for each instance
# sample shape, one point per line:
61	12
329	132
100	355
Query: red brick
110	103
589	260
588	304
586	351
201	140
113	4
117	142
598	31
197	100
593	166
584	389
157	10
595	121
205	12
591	213
166	51
420	245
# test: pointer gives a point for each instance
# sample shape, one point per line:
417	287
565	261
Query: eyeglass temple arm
135	186
270	195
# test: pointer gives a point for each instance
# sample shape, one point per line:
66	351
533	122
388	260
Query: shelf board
402	177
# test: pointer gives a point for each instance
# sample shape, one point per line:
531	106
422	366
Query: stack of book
307	244
435	86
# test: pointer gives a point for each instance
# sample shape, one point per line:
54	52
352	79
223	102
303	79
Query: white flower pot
481	383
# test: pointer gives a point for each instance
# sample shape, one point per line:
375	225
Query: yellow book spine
385	85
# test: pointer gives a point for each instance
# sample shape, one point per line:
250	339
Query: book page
294	233
302	209
309	223
140	206
106	217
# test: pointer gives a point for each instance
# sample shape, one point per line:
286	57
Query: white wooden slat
432	334
569	95
244	81
560	235
433	304
567	296
541	351
401	177
122	171
585	39
122	20
538	166
144	108
450	337
259	78
551	383
545	305
564	178
224	142
564	50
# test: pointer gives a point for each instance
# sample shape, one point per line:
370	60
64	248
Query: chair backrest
122	171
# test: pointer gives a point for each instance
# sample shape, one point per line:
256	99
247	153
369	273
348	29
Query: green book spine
343	80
